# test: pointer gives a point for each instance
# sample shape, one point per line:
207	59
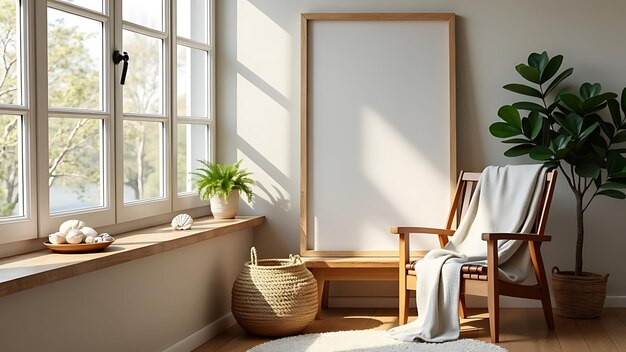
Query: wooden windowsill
39	268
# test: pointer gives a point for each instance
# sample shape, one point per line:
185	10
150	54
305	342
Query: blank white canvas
379	132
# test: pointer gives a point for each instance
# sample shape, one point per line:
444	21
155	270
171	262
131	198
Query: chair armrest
515	236
423	230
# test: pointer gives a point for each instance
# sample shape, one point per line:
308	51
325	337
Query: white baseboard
472	302
203	335
615	302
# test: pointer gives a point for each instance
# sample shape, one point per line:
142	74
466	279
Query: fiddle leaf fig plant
581	133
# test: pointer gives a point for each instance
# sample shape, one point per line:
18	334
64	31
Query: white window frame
155	206
37	221
190	199
95	217
25	226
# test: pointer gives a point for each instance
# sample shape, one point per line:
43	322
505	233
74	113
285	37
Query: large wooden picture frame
393	75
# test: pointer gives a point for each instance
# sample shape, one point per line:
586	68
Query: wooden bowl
77	248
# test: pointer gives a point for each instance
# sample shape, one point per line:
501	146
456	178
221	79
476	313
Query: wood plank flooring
522	330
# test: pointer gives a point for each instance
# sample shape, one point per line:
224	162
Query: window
194	111
74	142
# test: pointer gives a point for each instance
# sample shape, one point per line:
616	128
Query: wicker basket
580	297
274	297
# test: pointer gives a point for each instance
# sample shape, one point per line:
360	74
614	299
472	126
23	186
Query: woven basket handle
253	258
295	259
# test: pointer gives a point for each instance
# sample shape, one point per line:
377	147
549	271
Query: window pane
147	13
10	76
192	146
88	4
143	91
11	192
74	61
75	163
143	160
192	85
192	19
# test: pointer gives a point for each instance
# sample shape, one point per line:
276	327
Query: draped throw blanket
506	199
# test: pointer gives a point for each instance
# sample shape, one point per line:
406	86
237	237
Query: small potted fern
221	184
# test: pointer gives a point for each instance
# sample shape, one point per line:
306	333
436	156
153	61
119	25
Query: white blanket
506	199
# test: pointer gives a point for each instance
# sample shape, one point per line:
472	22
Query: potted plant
221	184
581	134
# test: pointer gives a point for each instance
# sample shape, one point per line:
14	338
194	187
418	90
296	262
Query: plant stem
580	234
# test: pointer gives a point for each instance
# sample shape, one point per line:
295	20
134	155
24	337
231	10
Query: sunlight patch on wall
263	46
263	124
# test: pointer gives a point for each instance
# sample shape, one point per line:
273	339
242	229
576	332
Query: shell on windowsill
88	231
106	237
74	236
71	225
182	222
57	238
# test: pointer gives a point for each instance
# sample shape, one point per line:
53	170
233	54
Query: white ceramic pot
225	210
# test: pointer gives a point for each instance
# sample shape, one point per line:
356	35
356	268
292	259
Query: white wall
258	103
144	305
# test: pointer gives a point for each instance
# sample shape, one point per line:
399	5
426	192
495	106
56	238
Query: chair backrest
465	190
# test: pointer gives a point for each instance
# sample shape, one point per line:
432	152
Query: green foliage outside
579	131
214	179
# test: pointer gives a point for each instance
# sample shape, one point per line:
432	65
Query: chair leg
404	307
462	306
494	317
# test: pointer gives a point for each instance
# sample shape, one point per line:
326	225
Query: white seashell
97	239
106	237
182	222
89	239
88	231
74	236
71	224
57	238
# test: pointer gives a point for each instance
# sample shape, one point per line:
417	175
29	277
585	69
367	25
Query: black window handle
119	57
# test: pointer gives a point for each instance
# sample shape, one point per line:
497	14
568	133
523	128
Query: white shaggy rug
368	341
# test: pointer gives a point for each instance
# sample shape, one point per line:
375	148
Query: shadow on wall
259	118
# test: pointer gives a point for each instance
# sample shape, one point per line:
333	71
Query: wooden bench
326	269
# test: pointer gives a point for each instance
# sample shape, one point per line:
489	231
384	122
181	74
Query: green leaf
538	61
519	150
613	185
551	164
526	105
588	170
536	123
555	83
516	140
591	103
620	137
561	141
616	116
572	123
541	152
588	90
551	68
612	193
503	130
572	102
623	100
529	73
523	89
511	116
588	131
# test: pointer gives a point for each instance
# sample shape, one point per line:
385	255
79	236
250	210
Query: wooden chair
483	280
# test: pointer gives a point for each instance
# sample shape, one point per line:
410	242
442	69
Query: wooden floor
522	330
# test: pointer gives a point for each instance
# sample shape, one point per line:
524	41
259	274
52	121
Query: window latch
119	57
